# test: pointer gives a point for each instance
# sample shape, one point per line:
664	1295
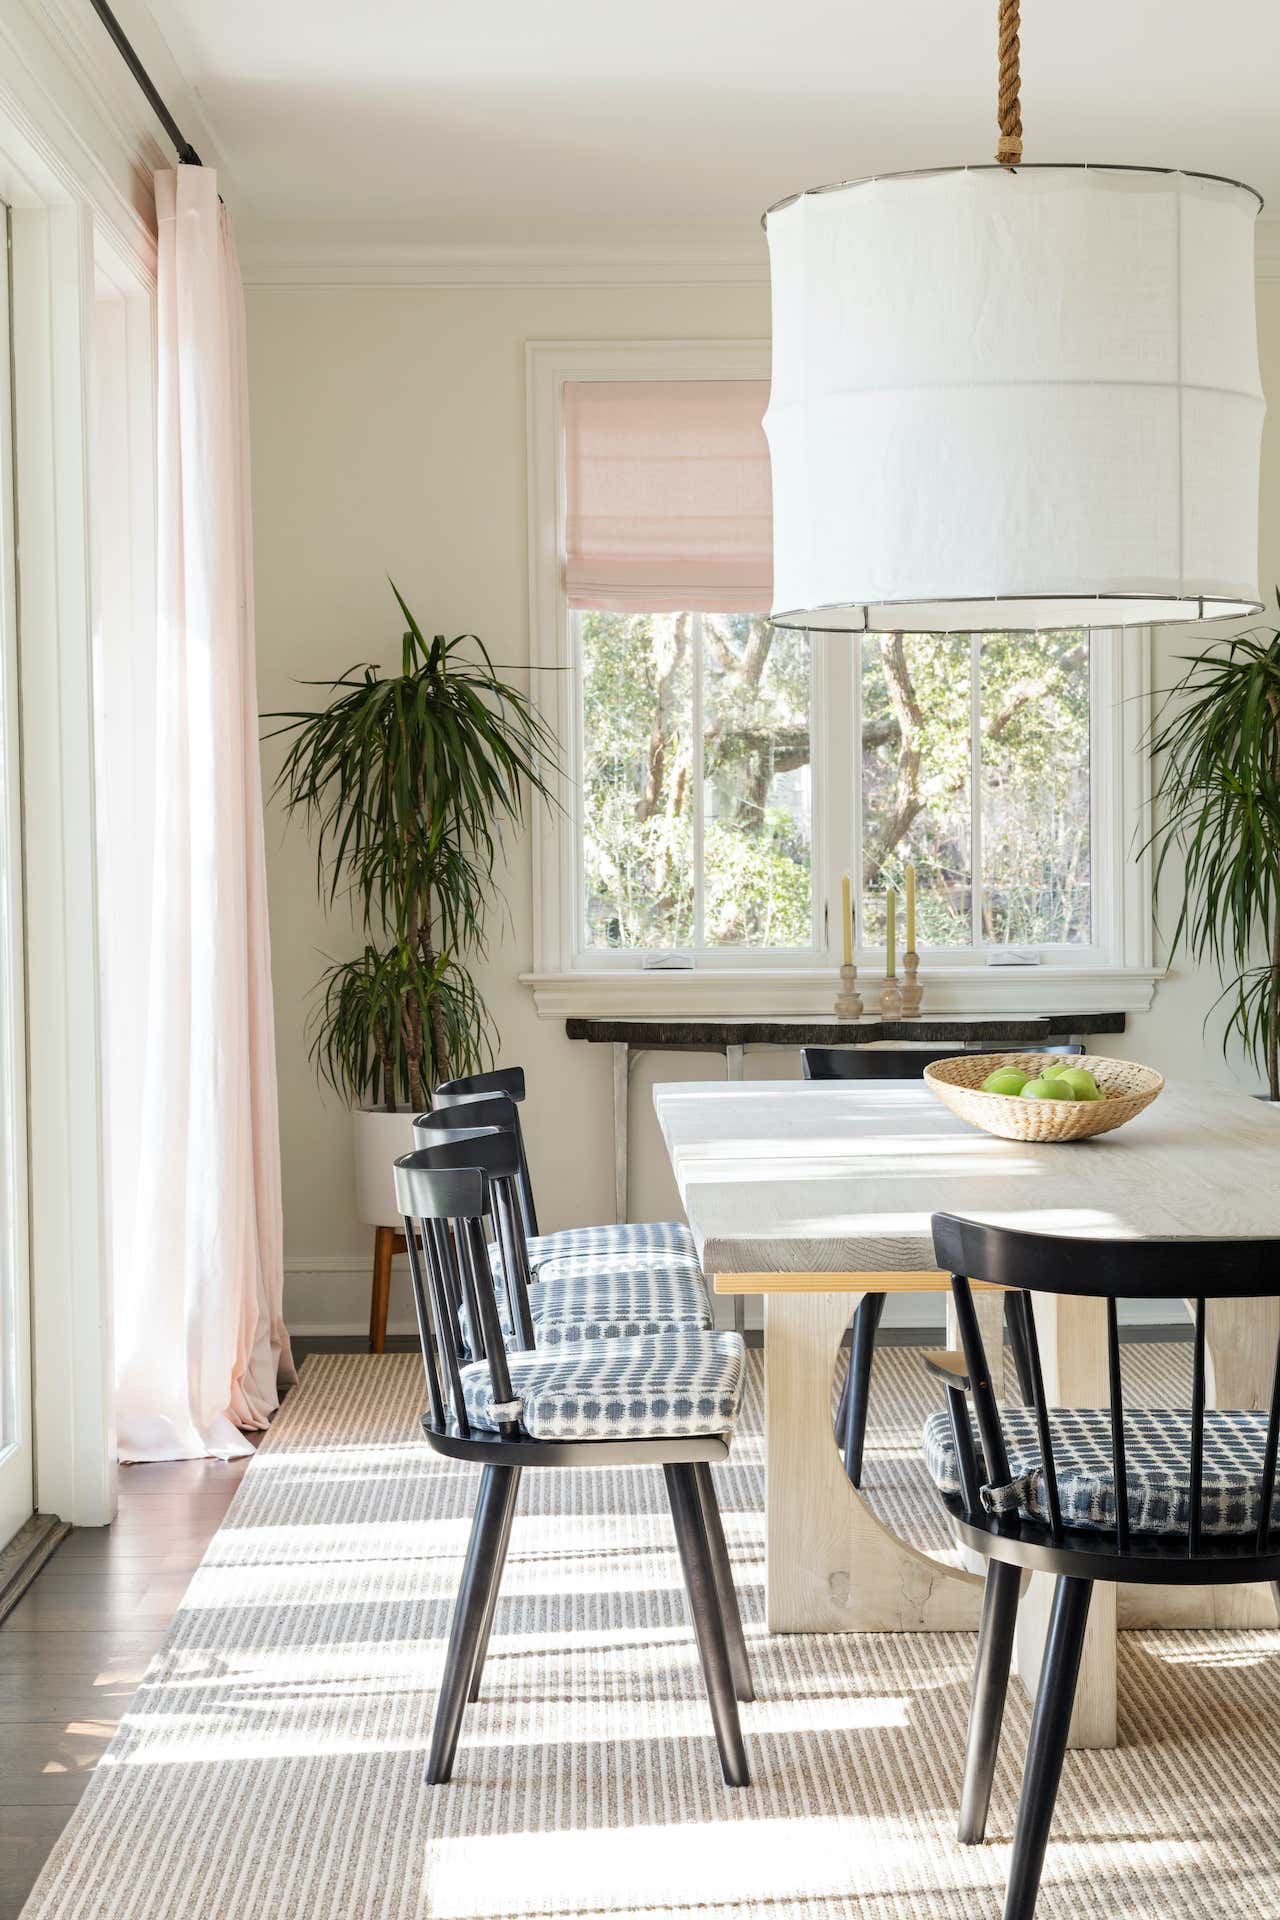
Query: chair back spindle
1119	1465
1197	1431
984	1401
426	1328
515	1260
1268	1488
962	1441
476	1251
1040	1405
428	1198
447	1296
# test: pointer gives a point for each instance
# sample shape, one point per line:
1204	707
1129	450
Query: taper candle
911	906
890	912
846	918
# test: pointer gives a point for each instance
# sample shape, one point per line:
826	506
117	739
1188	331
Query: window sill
807	993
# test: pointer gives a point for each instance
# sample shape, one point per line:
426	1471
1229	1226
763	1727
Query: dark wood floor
75	1647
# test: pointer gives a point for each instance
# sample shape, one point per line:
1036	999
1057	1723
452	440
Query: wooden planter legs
387	1243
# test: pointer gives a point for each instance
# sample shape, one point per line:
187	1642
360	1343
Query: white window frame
1114	973
631	960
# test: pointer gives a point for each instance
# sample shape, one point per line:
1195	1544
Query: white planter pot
380	1139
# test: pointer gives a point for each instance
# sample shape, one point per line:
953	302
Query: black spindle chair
669	1402
885	1063
582	1298
507	1081
1162	1497
660	1245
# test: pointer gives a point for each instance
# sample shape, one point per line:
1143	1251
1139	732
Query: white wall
388	438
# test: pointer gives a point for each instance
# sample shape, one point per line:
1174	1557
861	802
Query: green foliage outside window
645	677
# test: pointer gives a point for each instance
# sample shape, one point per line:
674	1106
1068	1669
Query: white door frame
17	1470
69	159
71	1317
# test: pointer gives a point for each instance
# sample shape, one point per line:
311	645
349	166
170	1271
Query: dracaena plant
407	781
1217	837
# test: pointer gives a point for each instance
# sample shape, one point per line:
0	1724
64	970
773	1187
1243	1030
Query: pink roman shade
668	497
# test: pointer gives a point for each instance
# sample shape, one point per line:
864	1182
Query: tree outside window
698	803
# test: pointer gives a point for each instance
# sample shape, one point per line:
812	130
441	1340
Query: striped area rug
272	1760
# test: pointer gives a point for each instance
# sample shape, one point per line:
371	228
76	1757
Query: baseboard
26	1553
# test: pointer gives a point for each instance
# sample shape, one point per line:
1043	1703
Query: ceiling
493	138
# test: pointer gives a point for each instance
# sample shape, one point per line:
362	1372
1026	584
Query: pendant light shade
1006	400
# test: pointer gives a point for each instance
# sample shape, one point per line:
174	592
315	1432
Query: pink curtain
200	1337
668	501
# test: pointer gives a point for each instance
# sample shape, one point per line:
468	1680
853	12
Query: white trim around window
1115	973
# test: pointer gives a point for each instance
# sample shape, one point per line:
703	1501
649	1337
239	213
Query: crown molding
591	255
460	271
655	258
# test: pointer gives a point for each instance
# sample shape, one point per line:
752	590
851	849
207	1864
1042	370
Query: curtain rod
187	155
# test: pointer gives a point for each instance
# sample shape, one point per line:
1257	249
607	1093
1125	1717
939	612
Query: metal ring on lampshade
1008	399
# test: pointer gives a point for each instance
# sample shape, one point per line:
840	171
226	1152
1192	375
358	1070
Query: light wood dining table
812	1193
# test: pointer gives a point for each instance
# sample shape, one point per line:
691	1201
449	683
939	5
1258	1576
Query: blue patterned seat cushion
616	1306
665	1245
1157	1457
670	1387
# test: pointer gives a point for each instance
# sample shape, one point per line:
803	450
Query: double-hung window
721	775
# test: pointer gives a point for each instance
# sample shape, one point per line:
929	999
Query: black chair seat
1158	1468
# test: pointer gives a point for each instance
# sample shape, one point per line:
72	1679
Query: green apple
1043	1089
1082	1084
1005	1080
1055	1069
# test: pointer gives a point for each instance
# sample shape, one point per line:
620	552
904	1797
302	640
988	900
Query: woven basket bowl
1126	1089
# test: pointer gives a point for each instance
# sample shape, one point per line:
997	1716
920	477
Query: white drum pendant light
1014	397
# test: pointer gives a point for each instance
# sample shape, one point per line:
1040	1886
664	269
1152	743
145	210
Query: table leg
1073	1353
621	1106
830	1564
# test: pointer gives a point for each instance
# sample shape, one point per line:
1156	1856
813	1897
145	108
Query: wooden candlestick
912	991
848	1000
891	998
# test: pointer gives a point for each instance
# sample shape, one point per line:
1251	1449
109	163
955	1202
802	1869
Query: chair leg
1018	1346
726	1592
704	1606
1048	1743
491	1604
497	1493
986	1708
384	1247
1275	1593
842	1408
862	1352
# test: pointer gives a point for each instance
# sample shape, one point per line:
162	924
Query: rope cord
1009	145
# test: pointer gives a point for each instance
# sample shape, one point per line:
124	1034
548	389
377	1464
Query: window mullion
975	786
854	828
699	919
